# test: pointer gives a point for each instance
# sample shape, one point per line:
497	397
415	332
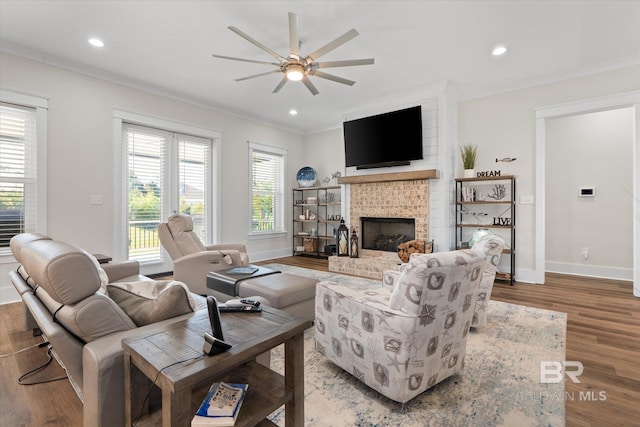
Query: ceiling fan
296	67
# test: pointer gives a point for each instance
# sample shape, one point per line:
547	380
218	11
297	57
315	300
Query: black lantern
354	244
342	239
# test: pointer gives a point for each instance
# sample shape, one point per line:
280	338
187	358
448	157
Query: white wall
81	155
503	125
601	143
324	152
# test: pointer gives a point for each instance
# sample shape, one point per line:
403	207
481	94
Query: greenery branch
469	155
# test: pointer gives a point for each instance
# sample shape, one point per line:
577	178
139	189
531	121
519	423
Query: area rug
499	386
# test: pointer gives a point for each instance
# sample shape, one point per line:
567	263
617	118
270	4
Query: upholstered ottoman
293	294
287	292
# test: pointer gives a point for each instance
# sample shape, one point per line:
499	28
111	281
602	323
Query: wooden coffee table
154	356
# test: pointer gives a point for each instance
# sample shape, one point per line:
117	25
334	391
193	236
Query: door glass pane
146	159
193	172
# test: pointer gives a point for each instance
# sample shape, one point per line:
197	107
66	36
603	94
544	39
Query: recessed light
96	42
293	112
499	50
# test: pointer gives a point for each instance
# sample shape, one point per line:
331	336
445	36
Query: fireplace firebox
385	234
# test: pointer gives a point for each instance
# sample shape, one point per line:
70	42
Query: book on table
221	405
243	270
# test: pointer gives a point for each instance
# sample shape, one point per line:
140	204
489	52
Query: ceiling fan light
295	72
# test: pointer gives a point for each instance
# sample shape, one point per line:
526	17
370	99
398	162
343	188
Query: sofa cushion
89	319
19	241
149	302
67	273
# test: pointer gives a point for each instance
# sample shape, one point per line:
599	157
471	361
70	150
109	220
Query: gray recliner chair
192	260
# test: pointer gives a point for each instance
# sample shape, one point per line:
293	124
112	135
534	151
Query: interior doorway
628	100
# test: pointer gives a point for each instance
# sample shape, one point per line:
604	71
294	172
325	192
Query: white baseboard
524	275
270	254
8	294
615	273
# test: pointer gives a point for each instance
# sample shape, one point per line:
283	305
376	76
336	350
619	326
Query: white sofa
59	284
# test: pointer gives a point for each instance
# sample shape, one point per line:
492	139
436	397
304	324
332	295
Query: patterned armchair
404	340
490	246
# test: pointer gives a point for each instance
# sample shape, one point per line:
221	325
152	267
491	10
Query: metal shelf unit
497	196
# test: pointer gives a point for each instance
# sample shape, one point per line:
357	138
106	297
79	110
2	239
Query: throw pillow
149	302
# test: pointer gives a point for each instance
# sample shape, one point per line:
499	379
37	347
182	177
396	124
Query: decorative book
221	406
243	270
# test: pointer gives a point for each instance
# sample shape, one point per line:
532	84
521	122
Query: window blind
146	154
267	187
194	180
18	171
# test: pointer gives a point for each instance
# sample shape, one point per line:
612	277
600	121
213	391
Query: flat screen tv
389	139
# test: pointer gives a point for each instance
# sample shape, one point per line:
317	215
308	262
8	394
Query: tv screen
388	139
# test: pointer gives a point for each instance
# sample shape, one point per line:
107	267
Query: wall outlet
96	199
585	252
526	199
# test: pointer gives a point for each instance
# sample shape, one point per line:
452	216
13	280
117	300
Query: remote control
250	302
236	308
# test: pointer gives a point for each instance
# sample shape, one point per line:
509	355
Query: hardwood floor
603	333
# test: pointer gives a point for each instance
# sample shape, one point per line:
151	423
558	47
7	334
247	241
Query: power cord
41	367
40	345
135	422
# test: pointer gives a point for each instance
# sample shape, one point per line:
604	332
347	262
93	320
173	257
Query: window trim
120	162
256	235
41	106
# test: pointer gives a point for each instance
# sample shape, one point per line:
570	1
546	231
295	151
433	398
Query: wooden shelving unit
488	203
325	209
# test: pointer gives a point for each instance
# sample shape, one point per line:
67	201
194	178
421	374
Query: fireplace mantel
389	177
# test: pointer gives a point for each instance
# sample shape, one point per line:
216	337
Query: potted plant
469	155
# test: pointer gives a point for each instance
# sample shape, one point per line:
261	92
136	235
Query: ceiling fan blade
332	78
245	60
333	44
310	86
257	75
282	83
347	63
294	40
257	43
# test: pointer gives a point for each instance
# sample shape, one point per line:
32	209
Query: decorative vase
306	177
469	173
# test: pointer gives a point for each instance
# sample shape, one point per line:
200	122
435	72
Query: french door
166	172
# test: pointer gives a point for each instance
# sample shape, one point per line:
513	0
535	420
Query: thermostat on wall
587	192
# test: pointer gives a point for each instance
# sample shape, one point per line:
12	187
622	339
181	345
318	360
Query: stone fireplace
402	195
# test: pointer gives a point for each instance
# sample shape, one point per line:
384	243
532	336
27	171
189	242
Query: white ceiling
166	46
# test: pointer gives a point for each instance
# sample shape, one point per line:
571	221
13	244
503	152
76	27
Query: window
267	165
22	166
166	172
